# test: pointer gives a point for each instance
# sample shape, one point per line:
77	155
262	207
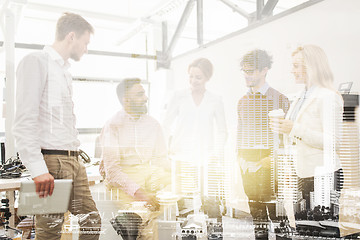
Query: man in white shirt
44	126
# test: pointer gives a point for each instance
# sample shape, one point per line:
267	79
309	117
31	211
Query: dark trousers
258	190
257	185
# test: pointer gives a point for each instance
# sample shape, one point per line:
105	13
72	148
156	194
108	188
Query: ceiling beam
257	24
269	8
164	30
3	8
155	16
235	8
259	8
180	27
200	22
92	14
92	52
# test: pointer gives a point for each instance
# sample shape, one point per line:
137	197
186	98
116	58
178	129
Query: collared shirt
44	116
127	142
261	90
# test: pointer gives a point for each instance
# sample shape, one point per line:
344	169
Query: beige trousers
48	227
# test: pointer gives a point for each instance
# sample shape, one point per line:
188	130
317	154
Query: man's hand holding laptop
44	185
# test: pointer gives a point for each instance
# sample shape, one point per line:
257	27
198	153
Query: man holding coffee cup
255	141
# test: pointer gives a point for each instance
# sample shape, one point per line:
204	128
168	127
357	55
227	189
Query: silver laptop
31	204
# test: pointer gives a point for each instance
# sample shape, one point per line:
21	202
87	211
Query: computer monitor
345	87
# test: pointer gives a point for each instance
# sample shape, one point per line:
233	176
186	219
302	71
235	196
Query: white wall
330	24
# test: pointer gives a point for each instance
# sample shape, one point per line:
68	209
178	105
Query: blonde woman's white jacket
316	133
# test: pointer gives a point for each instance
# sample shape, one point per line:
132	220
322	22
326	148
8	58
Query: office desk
11	185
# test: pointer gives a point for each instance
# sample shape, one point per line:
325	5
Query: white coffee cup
274	116
277	113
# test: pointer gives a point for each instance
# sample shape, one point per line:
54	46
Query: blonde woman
313	124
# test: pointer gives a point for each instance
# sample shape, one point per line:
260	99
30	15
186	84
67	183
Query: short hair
317	66
124	86
204	65
71	22
257	58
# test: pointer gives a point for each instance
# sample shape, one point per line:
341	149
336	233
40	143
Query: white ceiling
133	25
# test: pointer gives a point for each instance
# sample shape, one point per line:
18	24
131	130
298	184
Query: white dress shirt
44	116
197	131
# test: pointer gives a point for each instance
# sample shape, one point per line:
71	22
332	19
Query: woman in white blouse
196	129
312	124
